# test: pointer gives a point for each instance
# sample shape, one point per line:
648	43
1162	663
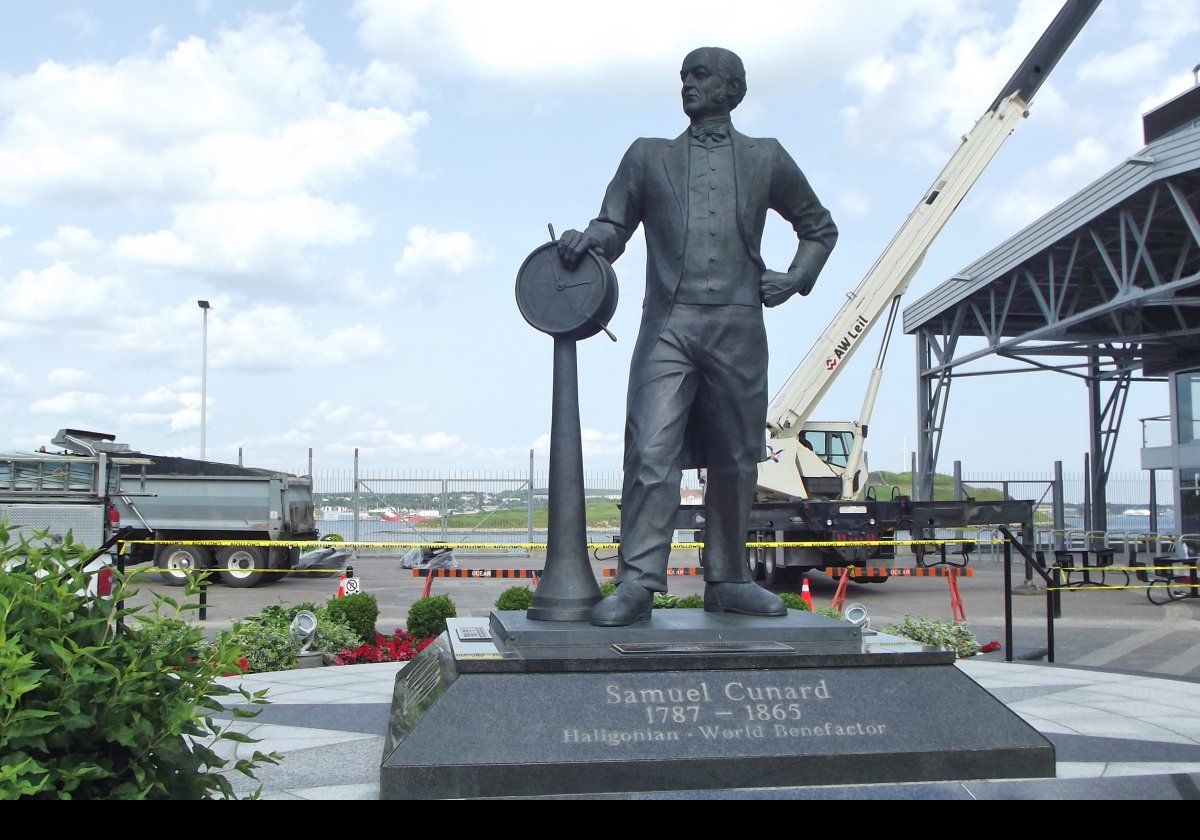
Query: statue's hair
729	67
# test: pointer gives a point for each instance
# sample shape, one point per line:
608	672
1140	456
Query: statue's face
705	92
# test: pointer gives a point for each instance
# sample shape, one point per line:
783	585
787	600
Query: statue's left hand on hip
776	287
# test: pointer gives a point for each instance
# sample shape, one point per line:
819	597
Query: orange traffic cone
341	590
806	595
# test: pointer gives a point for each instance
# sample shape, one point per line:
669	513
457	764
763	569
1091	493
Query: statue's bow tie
715	133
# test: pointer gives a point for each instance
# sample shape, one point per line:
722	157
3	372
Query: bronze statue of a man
698	380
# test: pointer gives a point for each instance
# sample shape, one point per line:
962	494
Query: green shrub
937	633
164	636
793	601
333	538
515	598
266	646
358	612
427	617
281	615
663	601
333	637
608	587
691	602
88	711
831	612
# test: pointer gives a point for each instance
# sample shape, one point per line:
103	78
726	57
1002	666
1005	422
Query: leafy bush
937	633
358	612
267	645
608	587
663	601
427	617
691	602
332	636
88	711
793	601
163	635
515	598
281	615
399	647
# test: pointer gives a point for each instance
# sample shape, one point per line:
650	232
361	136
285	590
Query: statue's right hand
572	245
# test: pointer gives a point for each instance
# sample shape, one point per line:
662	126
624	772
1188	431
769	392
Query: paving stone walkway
1116	735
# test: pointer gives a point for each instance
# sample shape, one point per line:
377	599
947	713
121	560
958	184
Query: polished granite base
507	707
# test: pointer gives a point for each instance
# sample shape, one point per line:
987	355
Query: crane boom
891	274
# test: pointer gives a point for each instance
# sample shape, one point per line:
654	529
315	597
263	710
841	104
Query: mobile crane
814	487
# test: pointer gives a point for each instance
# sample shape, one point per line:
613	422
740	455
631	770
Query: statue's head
714	82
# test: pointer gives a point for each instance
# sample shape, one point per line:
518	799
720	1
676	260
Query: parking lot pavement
1115	629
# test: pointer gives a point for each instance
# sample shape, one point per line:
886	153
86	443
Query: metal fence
467	506
510	506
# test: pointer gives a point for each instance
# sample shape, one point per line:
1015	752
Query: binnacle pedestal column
568	590
569	305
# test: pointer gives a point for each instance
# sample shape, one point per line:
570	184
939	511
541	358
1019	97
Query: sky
353	187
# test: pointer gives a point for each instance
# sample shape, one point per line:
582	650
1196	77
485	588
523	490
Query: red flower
399	647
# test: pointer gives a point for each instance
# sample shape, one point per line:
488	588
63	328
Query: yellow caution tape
1080	569
1096	587
218	570
534	546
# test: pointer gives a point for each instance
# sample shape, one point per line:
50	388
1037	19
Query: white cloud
79	20
854	203
70	241
948	70
256	112
5	231
541	40
1119	67
430	250
71	403
258	338
161	408
596	444
59	294
271	338
239	237
1045	187
1151	29
385	84
10	379
67	376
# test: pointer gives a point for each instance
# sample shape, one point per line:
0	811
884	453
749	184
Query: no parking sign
352	586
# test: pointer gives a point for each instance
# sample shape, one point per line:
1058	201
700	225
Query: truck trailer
165	503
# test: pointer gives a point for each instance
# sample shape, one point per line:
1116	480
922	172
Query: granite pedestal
689	701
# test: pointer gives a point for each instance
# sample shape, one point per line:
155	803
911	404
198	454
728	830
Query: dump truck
164	500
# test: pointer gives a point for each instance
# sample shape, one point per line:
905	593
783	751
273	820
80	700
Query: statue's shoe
742	598
630	603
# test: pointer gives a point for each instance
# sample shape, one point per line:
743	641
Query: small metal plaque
700	648
474	634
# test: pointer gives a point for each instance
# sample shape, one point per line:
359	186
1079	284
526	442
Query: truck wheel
179	561
242	566
774	575
754	561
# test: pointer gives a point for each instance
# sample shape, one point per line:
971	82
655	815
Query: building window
1189	496
1187	389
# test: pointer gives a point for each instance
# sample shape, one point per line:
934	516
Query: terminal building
1104	289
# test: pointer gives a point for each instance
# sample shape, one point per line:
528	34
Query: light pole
203	304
